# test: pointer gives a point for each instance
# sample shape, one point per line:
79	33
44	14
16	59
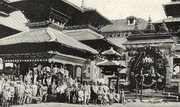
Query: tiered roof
45	35
42	11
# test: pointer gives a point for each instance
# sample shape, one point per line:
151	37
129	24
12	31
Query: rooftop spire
164	28
150	27
82	4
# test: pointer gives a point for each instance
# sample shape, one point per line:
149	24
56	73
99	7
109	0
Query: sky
120	9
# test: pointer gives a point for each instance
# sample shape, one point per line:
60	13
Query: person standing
53	87
34	90
39	90
20	92
66	73
55	70
122	96
87	93
12	92
94	93
45	93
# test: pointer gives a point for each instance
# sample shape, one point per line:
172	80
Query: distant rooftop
122	25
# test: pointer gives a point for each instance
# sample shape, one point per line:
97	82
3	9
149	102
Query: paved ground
170	104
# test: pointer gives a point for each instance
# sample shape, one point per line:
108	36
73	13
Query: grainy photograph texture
89	53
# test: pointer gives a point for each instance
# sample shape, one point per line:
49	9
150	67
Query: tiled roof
45	35
171	3
121	25
145	41
15	20
83	34
170	19
98	13
108	63
117	41
111	63
110	52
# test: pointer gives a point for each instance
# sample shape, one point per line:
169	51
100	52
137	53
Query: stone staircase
152	94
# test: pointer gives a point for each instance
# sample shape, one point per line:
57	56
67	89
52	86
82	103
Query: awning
42	35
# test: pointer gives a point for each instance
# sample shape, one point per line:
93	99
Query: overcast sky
118	9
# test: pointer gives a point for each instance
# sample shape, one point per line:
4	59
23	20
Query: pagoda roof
96	12
42	35
108	63
41	11
172	8
171	3
83	34
66	1
117	41
16	20
122	25
110	52
169	20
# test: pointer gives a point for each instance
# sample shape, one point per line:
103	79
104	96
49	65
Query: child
81	95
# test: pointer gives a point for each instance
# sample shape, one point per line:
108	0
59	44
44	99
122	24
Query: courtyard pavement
137	104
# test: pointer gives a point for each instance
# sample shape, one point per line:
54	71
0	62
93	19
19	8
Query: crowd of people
41	84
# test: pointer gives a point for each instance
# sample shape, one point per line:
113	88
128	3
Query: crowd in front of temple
42	84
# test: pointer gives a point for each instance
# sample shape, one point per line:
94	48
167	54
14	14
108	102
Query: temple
52	20
172	22
61	11
57	32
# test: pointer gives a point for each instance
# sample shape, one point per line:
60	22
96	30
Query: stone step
165	98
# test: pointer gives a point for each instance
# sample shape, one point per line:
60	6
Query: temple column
18	69
169	68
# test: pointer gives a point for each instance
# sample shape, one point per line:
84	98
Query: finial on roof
150	27
82	4
149	19
164	28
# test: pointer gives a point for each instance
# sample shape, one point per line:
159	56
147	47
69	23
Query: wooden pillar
109	82
18	69
169	69
74	71
117	84
51	66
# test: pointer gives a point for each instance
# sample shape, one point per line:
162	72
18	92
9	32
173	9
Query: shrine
111	66
47	46
150	59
